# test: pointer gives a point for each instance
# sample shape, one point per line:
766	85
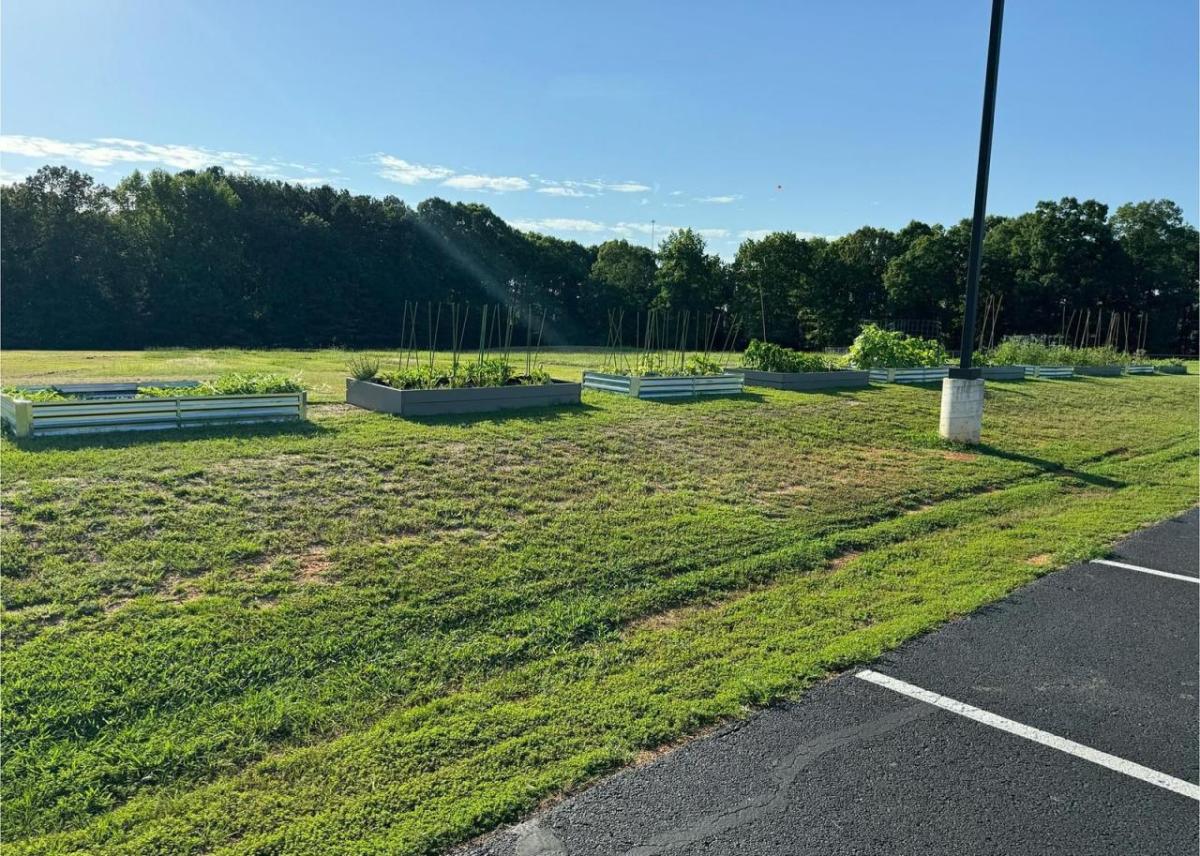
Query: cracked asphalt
1104	656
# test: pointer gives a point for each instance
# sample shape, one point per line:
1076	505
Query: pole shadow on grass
1048	467
695	399
525	414
130	439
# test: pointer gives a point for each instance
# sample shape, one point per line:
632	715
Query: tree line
207	258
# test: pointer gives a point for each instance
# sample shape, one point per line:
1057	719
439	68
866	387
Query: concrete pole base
962	409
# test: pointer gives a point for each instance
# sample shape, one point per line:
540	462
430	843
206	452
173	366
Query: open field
366	634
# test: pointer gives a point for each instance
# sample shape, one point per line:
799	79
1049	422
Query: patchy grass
370	634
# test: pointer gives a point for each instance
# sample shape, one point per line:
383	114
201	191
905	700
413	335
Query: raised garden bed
119	410
1139	369
1049	372
803	380
1098	371
1003	372
449	401
910	375
664	386
1172	369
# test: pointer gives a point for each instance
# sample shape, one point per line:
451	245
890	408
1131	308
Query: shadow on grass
694	399
129	439
1048	467
525	414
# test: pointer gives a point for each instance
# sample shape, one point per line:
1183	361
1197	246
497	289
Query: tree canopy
211	258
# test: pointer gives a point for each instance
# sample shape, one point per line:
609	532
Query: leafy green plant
34	394
488	371
363	367
235	383
698	364
1031	351
766	357
879	348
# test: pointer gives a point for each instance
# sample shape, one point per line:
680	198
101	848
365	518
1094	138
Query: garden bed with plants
892	357
776	367
95	408
420	386
661	365
1169	366
1042	360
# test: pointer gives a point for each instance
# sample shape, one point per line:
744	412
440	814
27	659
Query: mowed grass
368	634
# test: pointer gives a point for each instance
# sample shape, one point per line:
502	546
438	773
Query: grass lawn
367	634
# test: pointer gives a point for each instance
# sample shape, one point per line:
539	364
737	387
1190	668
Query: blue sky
590	120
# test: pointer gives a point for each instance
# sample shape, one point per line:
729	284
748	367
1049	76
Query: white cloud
759	234
8	176
402	171
559	190
558	224
495	183
718	200
627	187
664	229
677	193
108	151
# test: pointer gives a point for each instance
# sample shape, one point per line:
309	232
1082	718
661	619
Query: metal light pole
962	391
974	260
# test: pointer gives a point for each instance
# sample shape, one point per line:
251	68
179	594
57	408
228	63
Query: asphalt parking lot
1061	720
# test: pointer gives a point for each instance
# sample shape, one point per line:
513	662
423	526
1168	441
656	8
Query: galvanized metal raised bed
1049	372
800	381
910	375
1098	371
1002	372
664	386
1172	369
1139	370
96	415
447	402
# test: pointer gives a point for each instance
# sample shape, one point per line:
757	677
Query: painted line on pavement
1142	570
1112	762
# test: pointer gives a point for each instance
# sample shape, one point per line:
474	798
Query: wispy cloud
410	173
109	151
562	190
664	229
718	200
759	234
402	171
494	183
559	224
623	187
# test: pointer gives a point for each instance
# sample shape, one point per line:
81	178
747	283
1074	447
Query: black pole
981	186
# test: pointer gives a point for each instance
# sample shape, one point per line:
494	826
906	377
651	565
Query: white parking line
1142	570
1112	762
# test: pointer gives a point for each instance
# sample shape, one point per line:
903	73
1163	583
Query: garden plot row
48	418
